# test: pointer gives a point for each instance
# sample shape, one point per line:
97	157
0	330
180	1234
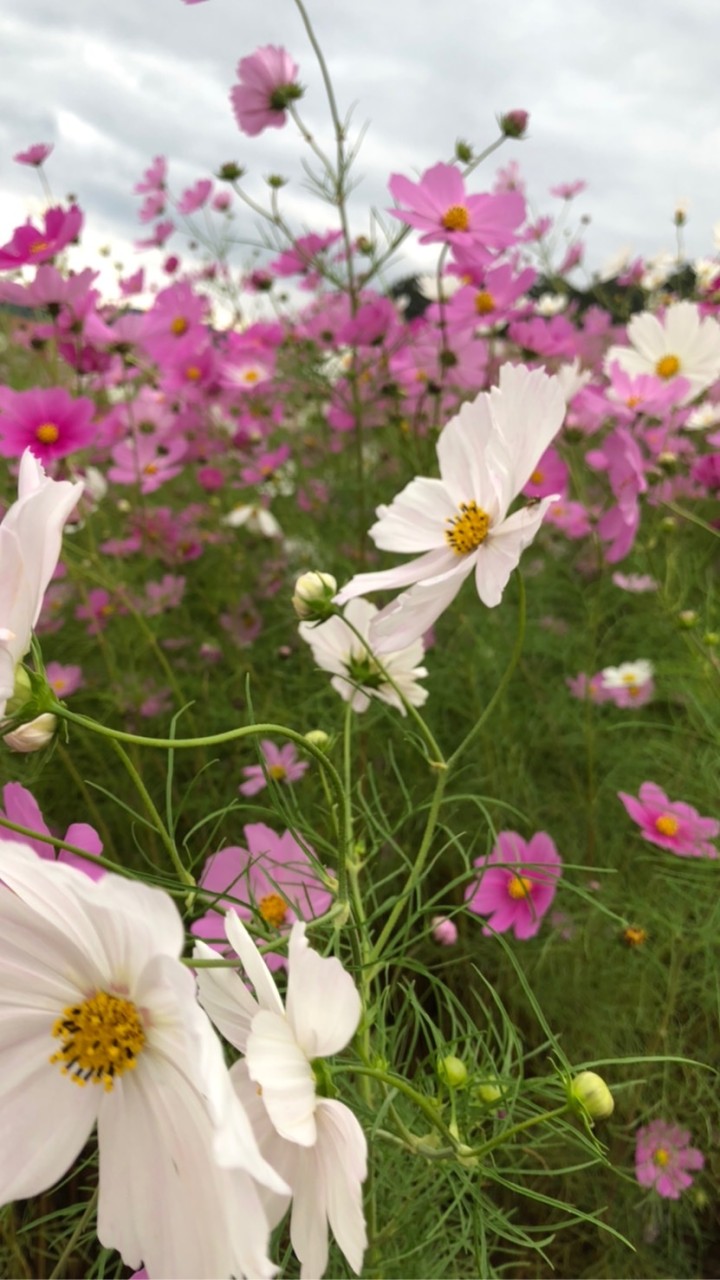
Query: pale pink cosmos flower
30	541
21	807
349	656
516	885
583	686
35	155
63	680
272	881
281	764
88	965
315	1143
671	824
664	1158
97	609
267	86
439	206
631	684
444	931
460	523
634	582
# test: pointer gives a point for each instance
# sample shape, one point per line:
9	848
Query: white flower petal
322	1004
277	1063
434	562
342	1157
500	554
252	962
415	611
225	998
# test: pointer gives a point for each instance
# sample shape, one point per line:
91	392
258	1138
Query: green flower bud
318	738
590	1092
313	596
452	1071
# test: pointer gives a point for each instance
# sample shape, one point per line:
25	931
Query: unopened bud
313	596
590	1091
34	735
463	152
318	738
230	172
514	123
488	1092
687	619
452	1071
444	931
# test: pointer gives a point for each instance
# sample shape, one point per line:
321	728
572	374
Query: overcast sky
622	93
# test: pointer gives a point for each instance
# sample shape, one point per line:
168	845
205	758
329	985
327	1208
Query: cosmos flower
664	1157
439	206
21	807
281	764
356	675
460	523
267	86
671	824
100	1025
316	1142
516	885
681	345
31	245
46	420
30	540
35	155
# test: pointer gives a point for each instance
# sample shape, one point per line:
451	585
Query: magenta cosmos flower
31	244
273	881
35	155
516	885
50	422
267	87
281	764
671	824
439	207
663	1156
21	807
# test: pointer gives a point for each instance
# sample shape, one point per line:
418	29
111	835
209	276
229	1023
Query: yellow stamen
150	469
273	909
537	477
667	366
667	824
519	887
179	326
468	529
250	376
278	772
457	218
47	433
634	935
193	373
484	302
38	246
102	1038
661	1157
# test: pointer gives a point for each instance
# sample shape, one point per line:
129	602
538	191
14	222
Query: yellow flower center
457	218
661	1157
667	366
667	824
38	246
519	887
179	326
468	529
484	302
150	469
47	433
634	935
537	477
250	376
273	909
629	677
192	373
278	772
633	401
101	1039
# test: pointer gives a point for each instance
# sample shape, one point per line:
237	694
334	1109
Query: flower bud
444	931
318	738
687	619
313	596
230	172
514	123
488	1092
590	1091
452	1071
463	152
32	736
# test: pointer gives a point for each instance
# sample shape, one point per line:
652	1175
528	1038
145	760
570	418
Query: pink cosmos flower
663	1157
31	244
63	681
163	595
516	885
147	461
50	422
444	931
272	880
98	607
267	87
582	686
35	155
153	178
634	582
629	685
193	198
20	806
281	764
568	190
671	824
439	206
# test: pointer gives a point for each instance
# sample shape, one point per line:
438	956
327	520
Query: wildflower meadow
359	675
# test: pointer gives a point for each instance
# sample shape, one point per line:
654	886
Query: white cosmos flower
30	541
256	519
681	345
460	522
315	1142
627	675
99	1024
356	677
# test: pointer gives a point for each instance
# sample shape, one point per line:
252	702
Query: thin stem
509	1134
59	1269
158	824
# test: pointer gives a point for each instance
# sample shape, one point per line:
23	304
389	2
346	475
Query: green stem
59	1269
158	824
61	844
509	1134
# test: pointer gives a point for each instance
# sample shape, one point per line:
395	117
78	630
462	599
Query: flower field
359	717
